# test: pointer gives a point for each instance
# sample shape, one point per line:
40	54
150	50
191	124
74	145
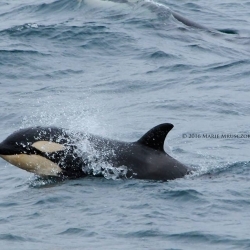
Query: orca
193	24
158	8
51	151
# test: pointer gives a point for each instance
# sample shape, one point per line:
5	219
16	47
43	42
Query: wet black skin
145	158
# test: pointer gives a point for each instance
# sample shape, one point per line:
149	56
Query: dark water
117	70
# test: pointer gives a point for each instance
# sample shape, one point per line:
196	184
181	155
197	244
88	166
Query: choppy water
117	70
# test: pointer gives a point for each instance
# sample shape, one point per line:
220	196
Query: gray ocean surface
117	70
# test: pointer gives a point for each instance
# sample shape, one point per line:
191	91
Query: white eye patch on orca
34	164
48	146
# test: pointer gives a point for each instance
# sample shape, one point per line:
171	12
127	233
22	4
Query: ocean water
117	69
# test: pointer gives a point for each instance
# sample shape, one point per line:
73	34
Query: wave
241	169
15	238
43	8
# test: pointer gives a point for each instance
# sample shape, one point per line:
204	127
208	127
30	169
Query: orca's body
55	152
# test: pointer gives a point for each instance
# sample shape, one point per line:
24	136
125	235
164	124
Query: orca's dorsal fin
156	136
